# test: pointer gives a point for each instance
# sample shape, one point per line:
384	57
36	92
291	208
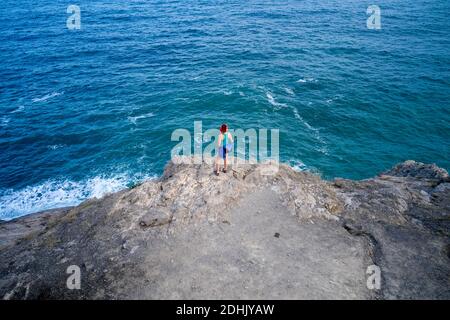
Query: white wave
133	120
58	193
323	149
305	123
316	132
306	79
227	92
336	97
297	165
19	109
289	91
273	102
297	115
48	96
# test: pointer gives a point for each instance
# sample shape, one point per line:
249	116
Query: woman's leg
216	164
225	156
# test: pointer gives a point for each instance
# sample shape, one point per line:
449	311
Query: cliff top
244	234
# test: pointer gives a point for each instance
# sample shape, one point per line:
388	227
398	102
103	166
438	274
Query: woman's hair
223	128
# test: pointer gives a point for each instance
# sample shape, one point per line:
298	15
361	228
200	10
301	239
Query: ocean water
90	111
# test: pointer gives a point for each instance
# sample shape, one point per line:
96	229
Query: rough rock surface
241	235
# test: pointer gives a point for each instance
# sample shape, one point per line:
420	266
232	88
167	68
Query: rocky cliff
241	235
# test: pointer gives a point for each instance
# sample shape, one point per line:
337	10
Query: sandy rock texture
245	234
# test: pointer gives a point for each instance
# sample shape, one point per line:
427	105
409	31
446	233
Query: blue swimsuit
223	149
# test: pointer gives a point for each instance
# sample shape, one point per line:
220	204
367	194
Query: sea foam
48	96
134	119
273	102
306	79
19	109
59	193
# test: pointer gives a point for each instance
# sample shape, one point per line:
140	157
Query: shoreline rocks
167	236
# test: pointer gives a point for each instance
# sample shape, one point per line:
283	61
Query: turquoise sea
90	111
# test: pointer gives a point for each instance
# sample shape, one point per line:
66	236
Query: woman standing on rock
224	145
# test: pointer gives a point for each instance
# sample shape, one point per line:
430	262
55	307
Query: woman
224	145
